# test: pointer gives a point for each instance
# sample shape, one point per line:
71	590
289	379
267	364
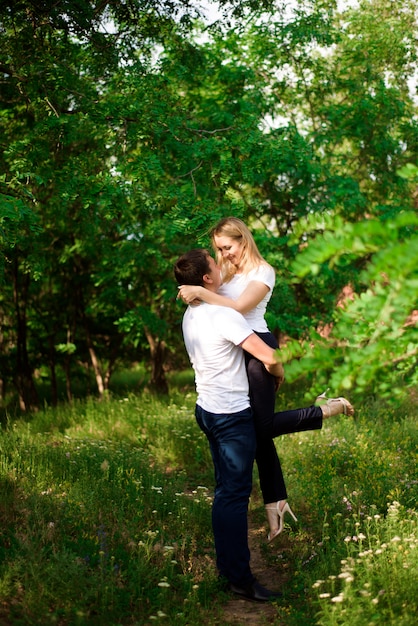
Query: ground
237	611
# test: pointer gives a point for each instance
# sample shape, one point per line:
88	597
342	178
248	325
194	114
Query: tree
372	345
125	138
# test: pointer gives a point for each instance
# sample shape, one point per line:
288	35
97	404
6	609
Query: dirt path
239	612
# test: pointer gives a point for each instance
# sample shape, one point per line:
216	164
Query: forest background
128	128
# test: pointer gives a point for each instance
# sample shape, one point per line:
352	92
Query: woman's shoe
334	406
275	516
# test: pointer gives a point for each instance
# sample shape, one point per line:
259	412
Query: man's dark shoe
255	592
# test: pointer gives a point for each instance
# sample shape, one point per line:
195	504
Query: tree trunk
68	388
52	369
158	351
96	368
25	386
2	390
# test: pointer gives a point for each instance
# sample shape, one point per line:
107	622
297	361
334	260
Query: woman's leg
262	397
296	421
270	424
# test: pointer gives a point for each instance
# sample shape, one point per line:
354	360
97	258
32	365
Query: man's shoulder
224	312
218	314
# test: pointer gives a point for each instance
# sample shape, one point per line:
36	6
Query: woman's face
229	248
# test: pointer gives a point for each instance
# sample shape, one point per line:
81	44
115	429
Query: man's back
212	335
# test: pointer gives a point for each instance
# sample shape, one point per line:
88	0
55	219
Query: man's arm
256	346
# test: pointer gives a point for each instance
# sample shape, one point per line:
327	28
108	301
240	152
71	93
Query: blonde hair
235	228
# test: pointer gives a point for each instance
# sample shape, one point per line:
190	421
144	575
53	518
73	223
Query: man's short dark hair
192	266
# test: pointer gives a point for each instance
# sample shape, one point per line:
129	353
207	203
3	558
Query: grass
105	517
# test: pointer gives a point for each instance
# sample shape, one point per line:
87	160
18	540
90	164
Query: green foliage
358	536
372	345
105	516
122	147
381	560
107	528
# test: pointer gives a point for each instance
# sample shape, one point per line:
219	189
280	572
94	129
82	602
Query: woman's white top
233	289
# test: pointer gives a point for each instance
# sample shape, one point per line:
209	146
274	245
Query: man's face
215	275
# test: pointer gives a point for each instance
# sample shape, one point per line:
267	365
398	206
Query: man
215	338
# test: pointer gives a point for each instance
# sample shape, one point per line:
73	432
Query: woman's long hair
236	229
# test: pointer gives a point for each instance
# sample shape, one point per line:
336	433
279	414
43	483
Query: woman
248	282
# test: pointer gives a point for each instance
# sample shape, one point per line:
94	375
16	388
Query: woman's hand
190	294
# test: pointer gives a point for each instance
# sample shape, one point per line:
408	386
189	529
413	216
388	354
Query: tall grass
355	552
105	518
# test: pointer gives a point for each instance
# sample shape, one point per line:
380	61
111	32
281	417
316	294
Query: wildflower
361	536
318	583
347	504
338	598
365	553
396	538
163	583
324	595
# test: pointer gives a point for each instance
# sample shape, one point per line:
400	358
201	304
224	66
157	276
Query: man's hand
277	371
279	380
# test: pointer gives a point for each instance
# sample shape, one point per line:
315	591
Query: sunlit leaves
373	342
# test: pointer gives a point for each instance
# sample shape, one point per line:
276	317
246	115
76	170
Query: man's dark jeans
232	443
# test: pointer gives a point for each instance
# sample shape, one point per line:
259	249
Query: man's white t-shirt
233	289
212	335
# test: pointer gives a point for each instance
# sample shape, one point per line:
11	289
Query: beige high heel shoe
275	517
334	406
